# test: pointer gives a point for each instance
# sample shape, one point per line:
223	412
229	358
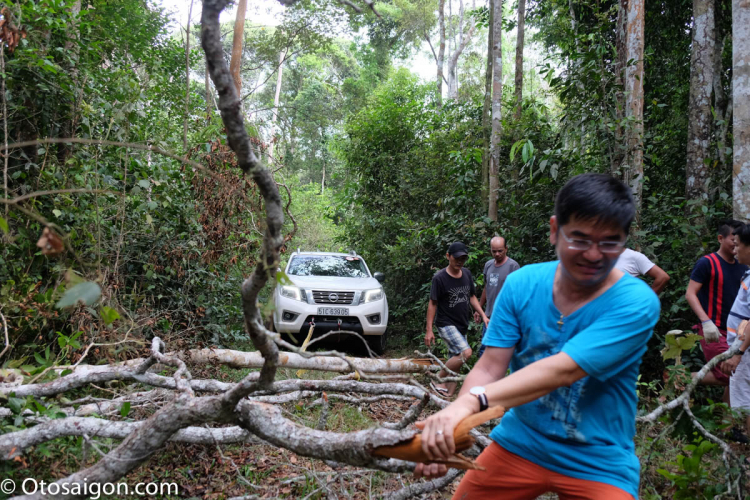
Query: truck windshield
328	265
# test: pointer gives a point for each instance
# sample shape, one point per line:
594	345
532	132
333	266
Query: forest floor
264	471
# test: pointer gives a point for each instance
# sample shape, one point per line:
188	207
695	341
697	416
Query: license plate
333	311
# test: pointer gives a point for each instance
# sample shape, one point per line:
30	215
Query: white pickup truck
332	291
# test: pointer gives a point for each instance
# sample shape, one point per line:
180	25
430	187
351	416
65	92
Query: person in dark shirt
714	283
452	297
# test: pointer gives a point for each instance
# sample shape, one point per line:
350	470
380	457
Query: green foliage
690	478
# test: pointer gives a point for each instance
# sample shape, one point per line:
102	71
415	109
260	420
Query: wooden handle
467	424
412	449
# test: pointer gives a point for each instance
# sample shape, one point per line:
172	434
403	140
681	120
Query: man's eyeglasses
604	246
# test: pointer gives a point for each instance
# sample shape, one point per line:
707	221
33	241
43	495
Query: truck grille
329	297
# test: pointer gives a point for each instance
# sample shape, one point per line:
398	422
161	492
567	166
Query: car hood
335	282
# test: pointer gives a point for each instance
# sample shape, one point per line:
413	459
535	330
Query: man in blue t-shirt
572	333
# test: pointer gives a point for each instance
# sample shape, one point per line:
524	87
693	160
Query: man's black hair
742	232
597	197
728	227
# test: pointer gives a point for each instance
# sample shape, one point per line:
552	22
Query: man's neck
456	273
498	264
729	258
569	296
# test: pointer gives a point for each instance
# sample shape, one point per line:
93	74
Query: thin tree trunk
277	95
722	99
453	60
621	63
518	87
441	51
187	78
497	97
239	30
633	172
519	58
486	124
699	107
209	96
741	110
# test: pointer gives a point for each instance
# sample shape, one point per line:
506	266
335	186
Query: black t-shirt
452	296
721	282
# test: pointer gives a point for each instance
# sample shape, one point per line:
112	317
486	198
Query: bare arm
483	300
660	278
520	387
692	298
475	304
429	337
491	367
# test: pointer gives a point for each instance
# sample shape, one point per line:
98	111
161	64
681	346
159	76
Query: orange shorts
511	477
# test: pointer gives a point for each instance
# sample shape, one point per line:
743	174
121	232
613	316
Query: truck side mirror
379	276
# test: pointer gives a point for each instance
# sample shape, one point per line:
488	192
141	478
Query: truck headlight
293	292
372	295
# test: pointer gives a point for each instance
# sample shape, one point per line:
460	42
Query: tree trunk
699	107
741	110
519	58
441	51
460	47
621	63
497	98
632	165
486	125
277	95
518	88
187	77
722	99
239	30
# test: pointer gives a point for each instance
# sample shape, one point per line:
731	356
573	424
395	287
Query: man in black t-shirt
451	299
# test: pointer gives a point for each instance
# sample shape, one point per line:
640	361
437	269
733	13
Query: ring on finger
439	432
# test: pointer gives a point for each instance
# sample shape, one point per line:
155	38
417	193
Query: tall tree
461	43
239	31
440	58
497	98
519	58
699	108
486	124
630	38
741	110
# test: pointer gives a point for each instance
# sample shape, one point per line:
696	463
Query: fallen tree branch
13	444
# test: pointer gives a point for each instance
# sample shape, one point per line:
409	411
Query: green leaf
125	409
87	292
57	212
4	225
283	279
144	183
108	315
16	404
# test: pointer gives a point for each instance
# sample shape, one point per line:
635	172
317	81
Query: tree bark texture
519	58
699	108
741	108
497	99
276	97
633	164
460	47
239	30
621	62
486	123
441	52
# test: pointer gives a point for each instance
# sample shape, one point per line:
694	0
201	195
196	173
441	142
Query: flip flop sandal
440	390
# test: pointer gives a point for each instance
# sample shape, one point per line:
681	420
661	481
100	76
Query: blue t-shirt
586	430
